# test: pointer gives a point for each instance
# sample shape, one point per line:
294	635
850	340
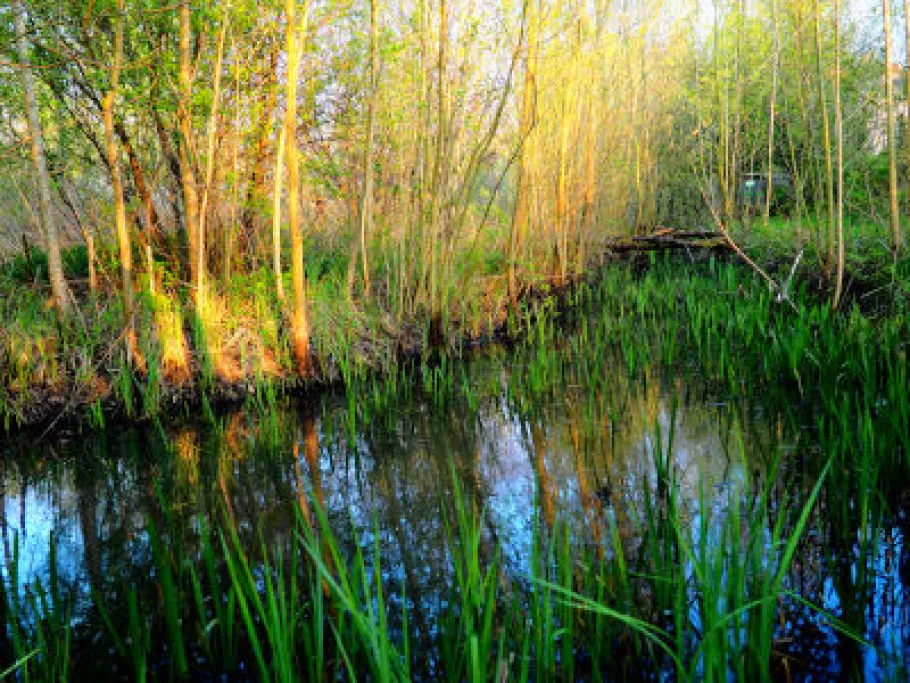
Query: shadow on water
639	453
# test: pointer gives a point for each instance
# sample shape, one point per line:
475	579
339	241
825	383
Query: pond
594	443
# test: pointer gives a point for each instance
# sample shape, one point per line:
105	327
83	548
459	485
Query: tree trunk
123	235
59	288
366	208
210	162
775	69
185	114
907	112
276	217
896	238
300	325
839	138
522	211
257	192
826	141
235	170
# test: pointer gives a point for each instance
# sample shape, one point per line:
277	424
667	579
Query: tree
59	288
522	210
839	138
300	324
123	235
826	139
366	207
896	239
210	159
187	164
276	216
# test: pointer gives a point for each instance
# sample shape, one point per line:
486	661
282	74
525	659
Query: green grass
700	597
313	610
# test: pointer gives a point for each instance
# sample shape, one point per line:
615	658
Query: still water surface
386	467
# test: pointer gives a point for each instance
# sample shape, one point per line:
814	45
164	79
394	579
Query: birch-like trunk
59	288
896	237
185	115
123	235
300	324
839	138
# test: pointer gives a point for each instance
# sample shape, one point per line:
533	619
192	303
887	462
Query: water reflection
577	456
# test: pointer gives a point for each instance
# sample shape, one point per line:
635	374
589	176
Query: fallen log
670	239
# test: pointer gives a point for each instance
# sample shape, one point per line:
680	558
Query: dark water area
529	439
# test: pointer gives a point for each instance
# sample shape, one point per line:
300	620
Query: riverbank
82	372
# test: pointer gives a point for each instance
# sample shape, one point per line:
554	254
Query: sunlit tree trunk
185	115
145	195
276	217
522	212
907	110
589	216
896	239
775	69
59	288
440	174
801	174
231	230
839	138
559	265
826	139
209	163
257	192
300	325
123	235
366	208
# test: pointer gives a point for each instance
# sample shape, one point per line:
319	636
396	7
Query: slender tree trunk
366	210
802	175
589	223
440	175
235	170
907	110
123	235
210	162
257	191
522	211
775	69
896	238
142	188
276	216
839	137
187	164
92	259
59	288
559	267
826	132
300	324
590	215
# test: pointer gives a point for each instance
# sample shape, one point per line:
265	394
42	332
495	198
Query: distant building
753	191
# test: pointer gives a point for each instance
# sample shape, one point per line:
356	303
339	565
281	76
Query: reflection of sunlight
186	446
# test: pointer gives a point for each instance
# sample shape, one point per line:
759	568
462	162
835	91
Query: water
529	451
